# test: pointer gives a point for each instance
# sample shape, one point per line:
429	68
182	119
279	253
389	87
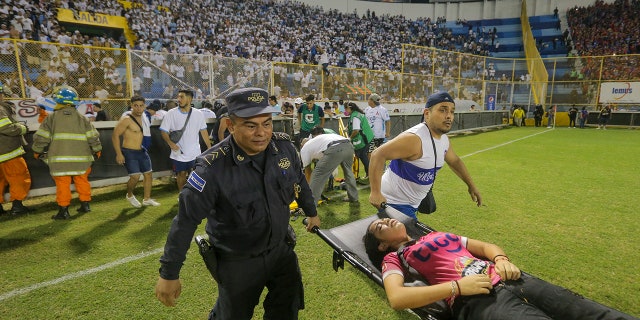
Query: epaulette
281	136
216	153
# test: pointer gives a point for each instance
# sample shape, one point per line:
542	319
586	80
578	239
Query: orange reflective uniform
63	188
15	173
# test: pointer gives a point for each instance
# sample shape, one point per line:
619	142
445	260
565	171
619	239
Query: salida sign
93	18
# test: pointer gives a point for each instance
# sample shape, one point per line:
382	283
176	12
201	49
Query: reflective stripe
5	122
11	155
71	159
69	136
92	133
43	133
68	173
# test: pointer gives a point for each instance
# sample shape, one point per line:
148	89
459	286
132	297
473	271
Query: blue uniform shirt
246	206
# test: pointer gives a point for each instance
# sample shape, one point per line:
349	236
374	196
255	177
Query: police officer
243	187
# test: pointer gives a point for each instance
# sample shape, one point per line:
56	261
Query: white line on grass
78	274
504	144
116	263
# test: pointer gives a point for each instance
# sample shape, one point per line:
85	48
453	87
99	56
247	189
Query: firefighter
68	142
13	168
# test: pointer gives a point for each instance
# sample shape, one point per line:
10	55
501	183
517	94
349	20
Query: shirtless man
132	154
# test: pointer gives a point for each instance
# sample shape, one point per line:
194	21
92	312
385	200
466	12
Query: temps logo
256	97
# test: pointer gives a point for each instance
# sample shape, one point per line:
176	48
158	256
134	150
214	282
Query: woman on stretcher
475	278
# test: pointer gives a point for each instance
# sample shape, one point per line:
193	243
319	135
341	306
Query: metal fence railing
29	69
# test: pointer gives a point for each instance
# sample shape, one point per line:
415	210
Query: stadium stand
288	38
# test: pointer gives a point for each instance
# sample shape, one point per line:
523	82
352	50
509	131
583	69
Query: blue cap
438	97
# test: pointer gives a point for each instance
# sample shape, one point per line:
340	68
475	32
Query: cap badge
256	97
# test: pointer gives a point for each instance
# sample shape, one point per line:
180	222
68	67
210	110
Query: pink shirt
439	257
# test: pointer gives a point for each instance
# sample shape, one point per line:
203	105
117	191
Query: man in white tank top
413	167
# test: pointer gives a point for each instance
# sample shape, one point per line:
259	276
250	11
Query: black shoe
2	212
84	207
19	208
63	214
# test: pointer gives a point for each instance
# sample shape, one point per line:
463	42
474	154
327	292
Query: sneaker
134	202
150	202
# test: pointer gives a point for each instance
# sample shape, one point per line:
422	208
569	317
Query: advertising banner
491	102
620	92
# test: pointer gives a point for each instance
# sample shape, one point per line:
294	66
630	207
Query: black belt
337	142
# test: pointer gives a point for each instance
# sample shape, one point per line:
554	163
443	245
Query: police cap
249	102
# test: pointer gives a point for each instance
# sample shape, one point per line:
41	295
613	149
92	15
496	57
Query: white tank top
408	182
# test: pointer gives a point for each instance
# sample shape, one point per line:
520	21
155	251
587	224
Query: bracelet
500	255
453	289
459	291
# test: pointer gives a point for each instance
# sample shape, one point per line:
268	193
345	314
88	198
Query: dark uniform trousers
242	279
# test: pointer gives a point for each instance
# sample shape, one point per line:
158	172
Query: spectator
310	115
133	154
603	117
155	110
273	101
518	114
551	116
100	113
537	115
379	120
584	114
191	122
207	110
573	113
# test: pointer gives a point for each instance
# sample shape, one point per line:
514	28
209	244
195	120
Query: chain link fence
111	76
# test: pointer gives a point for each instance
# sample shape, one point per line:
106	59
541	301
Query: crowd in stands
605	29
283	31
250	30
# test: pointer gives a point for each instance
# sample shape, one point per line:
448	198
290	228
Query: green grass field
563	203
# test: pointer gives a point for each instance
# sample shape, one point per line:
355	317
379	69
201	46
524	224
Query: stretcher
346	241
347	244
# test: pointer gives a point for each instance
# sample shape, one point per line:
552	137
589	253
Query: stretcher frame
346	241
348	246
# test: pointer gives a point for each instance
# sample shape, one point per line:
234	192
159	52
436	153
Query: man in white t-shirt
185	151
147	81
379	121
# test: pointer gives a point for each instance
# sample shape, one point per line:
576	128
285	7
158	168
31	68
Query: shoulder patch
196	181
214	154
281	136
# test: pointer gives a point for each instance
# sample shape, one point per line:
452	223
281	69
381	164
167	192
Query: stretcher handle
305	222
